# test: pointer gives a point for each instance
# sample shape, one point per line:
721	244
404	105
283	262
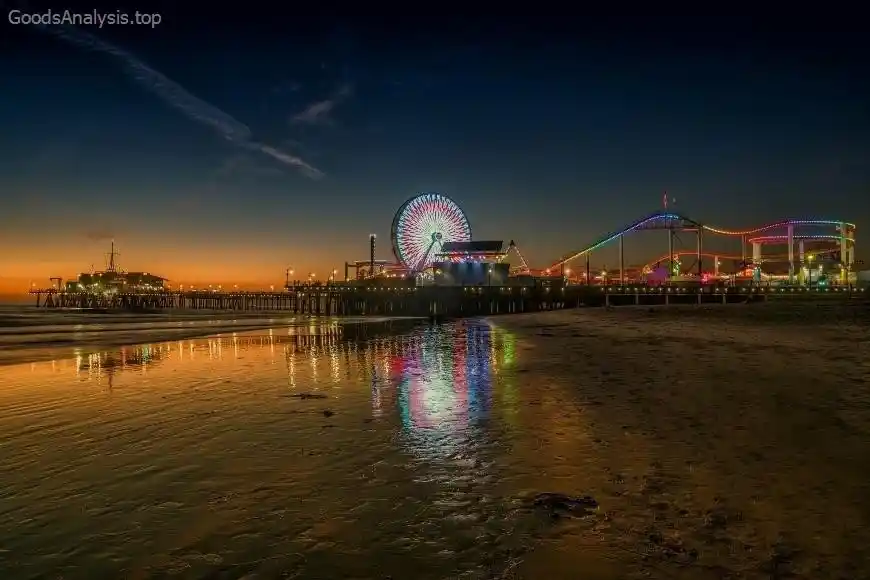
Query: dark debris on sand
560	505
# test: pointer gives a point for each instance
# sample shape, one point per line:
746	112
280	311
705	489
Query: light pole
810	270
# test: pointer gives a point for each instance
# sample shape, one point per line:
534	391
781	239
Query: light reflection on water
195	458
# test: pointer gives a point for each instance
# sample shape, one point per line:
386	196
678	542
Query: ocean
29	333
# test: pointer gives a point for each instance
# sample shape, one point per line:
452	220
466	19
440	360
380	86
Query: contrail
176	96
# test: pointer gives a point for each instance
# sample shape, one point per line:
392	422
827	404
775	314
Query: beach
713	442
728	442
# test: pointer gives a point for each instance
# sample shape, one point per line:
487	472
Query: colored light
423	224
669	216
767	239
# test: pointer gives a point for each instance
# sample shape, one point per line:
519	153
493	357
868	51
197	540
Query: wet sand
721	442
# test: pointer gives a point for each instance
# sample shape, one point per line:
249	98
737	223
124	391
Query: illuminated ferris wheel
422	225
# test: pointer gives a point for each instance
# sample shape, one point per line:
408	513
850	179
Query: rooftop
476	247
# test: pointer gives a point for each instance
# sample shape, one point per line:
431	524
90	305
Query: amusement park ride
440	271
432	244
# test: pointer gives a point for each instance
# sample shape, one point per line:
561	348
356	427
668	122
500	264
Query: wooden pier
433	301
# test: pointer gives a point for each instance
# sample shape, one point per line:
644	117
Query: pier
431	301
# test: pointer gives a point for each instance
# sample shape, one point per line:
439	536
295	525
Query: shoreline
68	348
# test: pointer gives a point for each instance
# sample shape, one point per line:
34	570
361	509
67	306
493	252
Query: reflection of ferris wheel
422	225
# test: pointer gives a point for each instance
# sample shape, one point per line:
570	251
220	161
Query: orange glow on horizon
230	266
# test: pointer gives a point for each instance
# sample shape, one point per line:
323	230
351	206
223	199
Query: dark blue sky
548	129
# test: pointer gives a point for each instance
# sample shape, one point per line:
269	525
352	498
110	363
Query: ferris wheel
422	225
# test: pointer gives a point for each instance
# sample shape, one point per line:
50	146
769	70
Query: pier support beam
756	253
802	262
851	245
791	253
622	259
700	252
588	281
743	250
716	266
844	253
670	253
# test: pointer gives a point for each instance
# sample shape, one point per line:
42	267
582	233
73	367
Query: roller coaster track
781	239
731	257
675	221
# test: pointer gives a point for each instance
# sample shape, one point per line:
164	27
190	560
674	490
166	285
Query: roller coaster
781	233
430	222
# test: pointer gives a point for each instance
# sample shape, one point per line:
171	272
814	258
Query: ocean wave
28	333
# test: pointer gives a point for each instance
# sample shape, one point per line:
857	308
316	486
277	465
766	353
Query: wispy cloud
319	112
178	97
245	164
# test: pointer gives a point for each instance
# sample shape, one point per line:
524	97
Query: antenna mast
112	265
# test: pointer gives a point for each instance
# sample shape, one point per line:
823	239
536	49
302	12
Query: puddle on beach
271	454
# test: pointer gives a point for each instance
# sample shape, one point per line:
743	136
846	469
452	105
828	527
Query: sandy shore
721	442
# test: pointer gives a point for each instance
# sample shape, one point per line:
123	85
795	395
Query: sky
226	144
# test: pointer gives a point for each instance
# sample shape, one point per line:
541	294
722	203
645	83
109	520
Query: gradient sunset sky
548	128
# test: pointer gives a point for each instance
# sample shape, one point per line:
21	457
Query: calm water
197	458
